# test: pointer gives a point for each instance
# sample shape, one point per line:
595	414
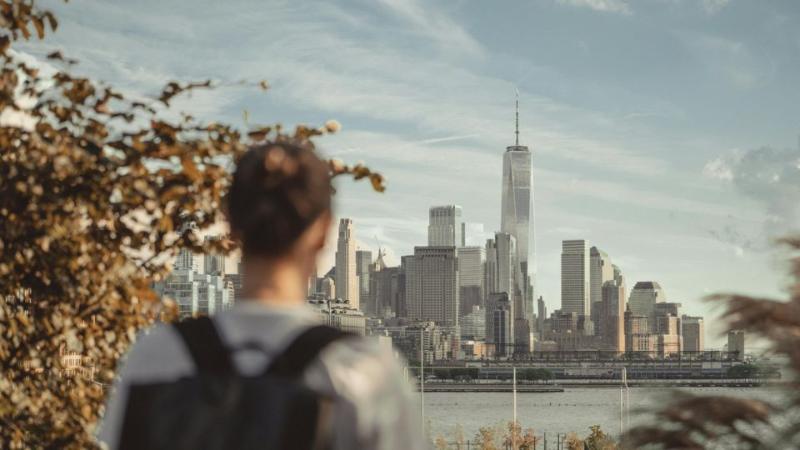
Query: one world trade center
517	218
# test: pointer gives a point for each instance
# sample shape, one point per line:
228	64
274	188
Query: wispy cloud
641	198
435	25
448	139
612	6
728	59
714	6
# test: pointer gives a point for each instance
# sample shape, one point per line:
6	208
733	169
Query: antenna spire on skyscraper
516	125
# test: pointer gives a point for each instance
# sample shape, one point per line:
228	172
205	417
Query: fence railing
545	441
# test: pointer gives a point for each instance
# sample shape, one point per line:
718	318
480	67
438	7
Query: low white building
196	293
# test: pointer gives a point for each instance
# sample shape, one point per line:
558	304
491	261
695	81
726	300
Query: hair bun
278	190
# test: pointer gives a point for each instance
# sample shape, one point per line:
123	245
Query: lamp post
514	425
330	319
422	373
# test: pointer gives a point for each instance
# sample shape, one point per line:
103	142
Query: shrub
95	193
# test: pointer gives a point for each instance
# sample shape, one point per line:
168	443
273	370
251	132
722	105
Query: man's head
279	204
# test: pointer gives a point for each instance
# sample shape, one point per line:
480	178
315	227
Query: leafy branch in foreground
699	422
95	190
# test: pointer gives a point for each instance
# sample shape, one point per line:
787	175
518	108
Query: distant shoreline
560	385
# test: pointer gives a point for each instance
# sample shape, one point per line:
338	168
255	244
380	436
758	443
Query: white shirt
374	407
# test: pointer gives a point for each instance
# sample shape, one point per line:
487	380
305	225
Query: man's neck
274	282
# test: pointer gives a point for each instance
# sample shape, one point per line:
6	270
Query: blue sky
663	131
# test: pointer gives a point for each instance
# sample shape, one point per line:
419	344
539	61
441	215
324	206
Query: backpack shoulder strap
305	348
205	346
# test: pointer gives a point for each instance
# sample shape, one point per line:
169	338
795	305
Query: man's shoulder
362	366
158	352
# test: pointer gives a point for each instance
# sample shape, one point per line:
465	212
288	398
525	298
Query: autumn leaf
38	23
190	168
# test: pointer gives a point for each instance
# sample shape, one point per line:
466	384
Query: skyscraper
644	296
541	312
693	331
516	215
502	281
600	271
575	288
612	312
736	344
213	263
471	262
506	270
346	276
363	262
432	292
490	282
406	263
445	226
386	286
186	260
499	323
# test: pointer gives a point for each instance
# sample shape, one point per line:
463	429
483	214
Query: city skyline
659	168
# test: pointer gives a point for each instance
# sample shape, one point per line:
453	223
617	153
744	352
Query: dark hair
278	191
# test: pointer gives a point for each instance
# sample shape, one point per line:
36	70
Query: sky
664	131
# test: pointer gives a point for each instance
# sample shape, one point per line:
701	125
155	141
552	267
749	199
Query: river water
574	410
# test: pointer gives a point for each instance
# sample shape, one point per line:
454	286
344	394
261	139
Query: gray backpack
217	408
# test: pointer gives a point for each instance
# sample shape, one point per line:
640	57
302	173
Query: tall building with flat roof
445	226
363	263
432	286
213	263
500	265
575	282
471	264
600	271
736	344
503	272
508	272
541	315
346	274
612	314
500	324
490	281
644	296
693	331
